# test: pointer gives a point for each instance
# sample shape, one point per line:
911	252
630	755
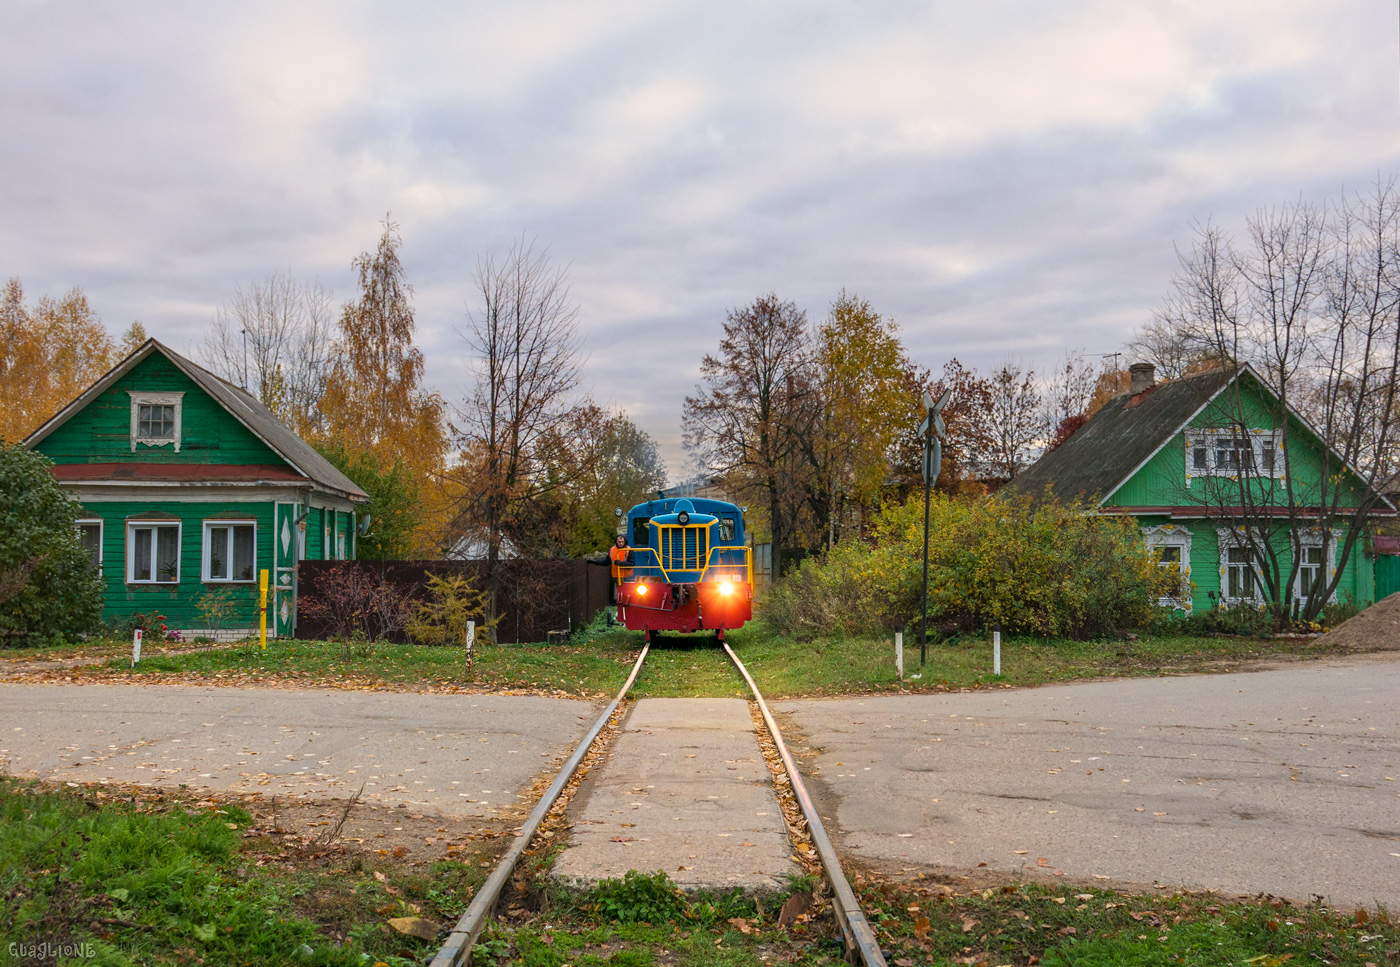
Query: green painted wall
1358	574
1163	480
178	602
101	432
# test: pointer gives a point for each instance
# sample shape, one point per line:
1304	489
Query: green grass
644	921
690	665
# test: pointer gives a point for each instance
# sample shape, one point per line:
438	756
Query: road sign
933	460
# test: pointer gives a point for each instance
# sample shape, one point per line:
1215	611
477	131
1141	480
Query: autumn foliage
1038	568
49	353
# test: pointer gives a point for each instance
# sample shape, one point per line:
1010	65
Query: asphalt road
458	755
1283	782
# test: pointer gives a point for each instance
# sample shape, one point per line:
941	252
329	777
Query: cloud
1003	179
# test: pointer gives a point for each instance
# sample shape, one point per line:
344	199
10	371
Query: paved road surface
1282	782
685	790
460	755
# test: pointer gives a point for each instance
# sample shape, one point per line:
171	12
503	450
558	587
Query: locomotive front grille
684	548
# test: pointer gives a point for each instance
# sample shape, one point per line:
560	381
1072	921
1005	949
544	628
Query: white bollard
135	647
899	654
996	650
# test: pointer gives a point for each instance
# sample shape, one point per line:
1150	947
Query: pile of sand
1375	629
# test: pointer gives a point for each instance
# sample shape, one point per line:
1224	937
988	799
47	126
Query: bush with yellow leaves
1036	566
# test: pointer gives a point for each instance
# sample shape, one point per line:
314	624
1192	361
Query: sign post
932	431
135	647
262	610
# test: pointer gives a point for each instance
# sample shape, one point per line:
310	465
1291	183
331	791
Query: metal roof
241	405
1118	439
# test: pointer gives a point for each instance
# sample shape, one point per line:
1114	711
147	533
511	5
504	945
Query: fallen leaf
415	927
741	925
921	929
380	877
796	906
968	924
1067	931
1042	861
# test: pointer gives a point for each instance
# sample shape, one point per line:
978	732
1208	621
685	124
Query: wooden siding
101	432
1162	481
1358	576
178	602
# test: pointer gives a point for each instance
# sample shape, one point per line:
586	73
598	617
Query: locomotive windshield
640	537
726	529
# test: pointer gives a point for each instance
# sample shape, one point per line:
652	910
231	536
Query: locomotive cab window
640	535
726	529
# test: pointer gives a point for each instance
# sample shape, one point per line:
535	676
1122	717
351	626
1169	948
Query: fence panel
534	598
1387	575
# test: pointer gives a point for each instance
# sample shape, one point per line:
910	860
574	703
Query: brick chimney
1142	377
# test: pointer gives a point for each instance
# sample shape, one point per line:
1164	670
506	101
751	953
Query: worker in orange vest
621	557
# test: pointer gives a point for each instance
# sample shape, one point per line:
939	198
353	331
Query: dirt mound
1375	629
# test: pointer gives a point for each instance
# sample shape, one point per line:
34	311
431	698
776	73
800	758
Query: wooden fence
536	597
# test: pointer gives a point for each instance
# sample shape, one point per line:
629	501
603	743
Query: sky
1004	180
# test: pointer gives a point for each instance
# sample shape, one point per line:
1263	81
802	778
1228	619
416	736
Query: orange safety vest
618	556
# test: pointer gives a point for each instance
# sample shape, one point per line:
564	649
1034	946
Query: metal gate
1387	575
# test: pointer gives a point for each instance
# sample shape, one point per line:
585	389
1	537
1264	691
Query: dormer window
155	419
1234	453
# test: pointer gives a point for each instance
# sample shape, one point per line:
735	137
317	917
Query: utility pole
932	431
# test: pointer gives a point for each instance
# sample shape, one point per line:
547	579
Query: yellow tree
375	401
864	396
48	355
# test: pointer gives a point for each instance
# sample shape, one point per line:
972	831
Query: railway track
859	936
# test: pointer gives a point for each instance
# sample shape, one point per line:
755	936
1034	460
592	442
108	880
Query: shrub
152	625
442	619
351	597
48	586
1037	567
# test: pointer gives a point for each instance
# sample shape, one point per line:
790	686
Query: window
155	419
90	537
726	530
339	537
1170	545
1232	452
1240	577
153	553
1310	572
641	531
230	550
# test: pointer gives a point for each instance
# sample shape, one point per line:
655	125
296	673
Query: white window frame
340	539
141	398
1229	538
132	526
206	553
1173	535
1210	437
101	533
1313	537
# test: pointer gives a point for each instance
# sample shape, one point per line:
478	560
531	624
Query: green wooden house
190	488
1174	455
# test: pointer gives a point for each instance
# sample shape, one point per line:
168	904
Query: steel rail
457	950
859	935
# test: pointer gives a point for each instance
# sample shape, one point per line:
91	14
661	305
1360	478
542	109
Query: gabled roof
242	406
1129	430
1118	439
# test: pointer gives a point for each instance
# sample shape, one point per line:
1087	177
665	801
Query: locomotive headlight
642	590
726	587
683	518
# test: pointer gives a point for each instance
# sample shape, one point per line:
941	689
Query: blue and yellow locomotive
689	568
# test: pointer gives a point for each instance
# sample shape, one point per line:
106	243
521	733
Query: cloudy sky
1004	179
